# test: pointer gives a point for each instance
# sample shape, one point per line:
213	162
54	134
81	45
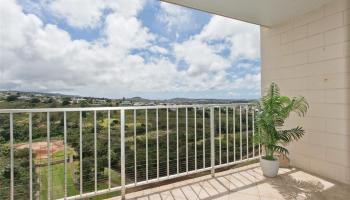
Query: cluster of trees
21	173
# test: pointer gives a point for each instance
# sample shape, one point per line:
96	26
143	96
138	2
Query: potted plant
273	110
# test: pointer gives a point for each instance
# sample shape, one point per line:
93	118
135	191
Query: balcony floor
248	183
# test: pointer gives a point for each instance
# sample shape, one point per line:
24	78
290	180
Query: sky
126	48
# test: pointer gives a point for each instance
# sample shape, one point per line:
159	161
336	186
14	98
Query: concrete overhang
261	12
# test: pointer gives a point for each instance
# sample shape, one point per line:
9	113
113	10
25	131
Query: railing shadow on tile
207	188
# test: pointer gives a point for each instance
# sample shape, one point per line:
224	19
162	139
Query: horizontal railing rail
41	110
109	149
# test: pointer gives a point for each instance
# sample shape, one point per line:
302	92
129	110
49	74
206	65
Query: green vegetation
274	110
56	133
12	98
21	173
57	181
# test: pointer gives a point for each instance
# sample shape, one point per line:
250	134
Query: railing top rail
42	110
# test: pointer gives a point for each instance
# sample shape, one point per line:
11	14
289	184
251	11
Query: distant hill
208	101
142	100
39	93
138	99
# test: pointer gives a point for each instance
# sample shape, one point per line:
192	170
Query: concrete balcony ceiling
262	12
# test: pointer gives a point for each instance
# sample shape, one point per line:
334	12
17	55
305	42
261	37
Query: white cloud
245	65
243	38
88	13
78	13
200	57
202	52
247	86
175	17
159	50
37	56
247	82
133	36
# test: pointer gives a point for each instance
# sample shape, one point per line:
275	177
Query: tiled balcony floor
248	183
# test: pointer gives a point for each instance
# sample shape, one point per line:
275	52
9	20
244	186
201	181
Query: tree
11	98
274	109
34	100
50	100
66	101
84	103
21	173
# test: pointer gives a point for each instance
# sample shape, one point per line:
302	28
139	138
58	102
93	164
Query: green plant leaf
273	110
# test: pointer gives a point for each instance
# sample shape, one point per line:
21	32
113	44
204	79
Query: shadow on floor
248	183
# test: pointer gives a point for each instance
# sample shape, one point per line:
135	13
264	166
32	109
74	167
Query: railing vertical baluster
135	154
109	149
234	133
157	132
220	135
247	130
240	132
186	140
177	140
253	127
81	152
30	158
167	141
11	158
146	119
195	139
122	152
212	141
48	157
65	152
203	137
95	148
259	144
227	160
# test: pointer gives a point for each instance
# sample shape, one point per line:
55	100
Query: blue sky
126	48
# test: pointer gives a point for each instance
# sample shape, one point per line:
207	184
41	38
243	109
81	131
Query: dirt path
40	148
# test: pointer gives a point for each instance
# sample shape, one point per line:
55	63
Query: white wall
310	56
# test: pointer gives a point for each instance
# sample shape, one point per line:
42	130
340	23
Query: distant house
126	103
78	100
139	104
151	104
25	97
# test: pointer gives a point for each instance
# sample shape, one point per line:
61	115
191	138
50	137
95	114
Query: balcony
154	152
74	153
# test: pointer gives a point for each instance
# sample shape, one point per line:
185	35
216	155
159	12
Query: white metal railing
222	110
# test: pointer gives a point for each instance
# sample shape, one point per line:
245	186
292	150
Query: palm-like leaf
274	109
291	134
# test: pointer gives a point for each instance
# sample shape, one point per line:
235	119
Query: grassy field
57	183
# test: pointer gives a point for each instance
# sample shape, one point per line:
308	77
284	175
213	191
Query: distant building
139	104
25	97
151	104
78	100
125	103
